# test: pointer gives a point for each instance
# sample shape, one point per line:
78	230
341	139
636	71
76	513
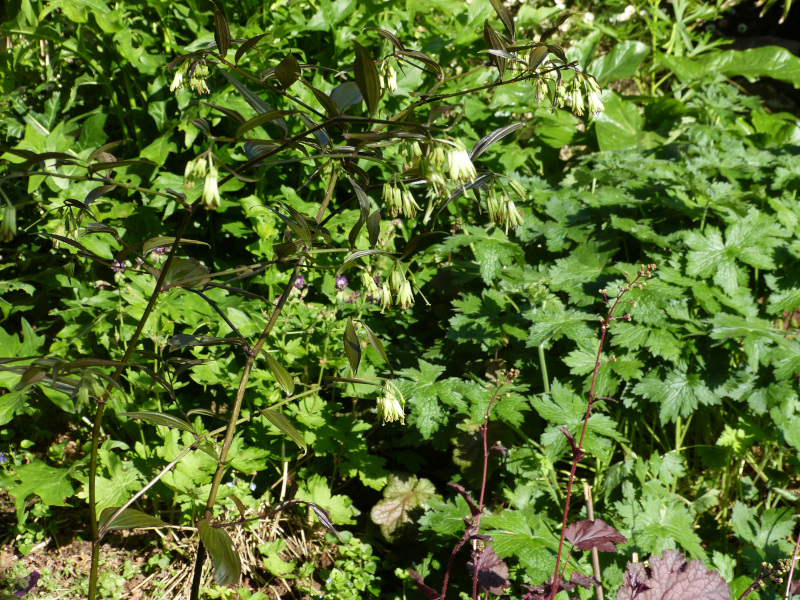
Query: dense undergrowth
431	330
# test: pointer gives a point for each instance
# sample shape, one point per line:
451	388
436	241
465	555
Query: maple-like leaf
670	577
402	494
586	534
492	571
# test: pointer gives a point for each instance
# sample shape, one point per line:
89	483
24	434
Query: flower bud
8	223
386	297
518	189
211	197
461	167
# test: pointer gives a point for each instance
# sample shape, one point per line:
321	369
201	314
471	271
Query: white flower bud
390	404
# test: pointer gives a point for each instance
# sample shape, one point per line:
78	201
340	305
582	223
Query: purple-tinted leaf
222	33
586	534
288	71
422	588
27	584
670	577
374	227
505	17
247	45
367	78
227	567
536	57
473	508
548	32
378	345
389	36
422	57
497	135
323	98
97	192
582	580
492	571
352	347
495	42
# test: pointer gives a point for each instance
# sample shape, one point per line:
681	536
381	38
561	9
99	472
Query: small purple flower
118	267
353	297
253	487
341	282
377	280
26	584
161	250
3	459
300	282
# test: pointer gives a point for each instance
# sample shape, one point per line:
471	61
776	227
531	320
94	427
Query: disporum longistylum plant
342	135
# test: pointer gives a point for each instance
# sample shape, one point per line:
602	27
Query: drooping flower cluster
399	200
204	168
390	404
395	290
388	77
576	95
198	73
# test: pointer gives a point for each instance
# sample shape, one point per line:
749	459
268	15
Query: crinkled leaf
586	534
492	571
671	577
402	494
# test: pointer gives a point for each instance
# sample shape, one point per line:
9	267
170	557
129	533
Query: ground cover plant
358	309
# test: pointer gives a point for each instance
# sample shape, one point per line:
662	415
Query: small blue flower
229	484
341	282
253	487
300	282
3	459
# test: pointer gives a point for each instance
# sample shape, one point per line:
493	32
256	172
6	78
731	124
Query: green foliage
306	215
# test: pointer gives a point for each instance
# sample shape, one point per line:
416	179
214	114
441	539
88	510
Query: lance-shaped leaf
184	340
222	33
422	57
498	134
374	227
505	17
495	42
323	98
367	78
352	347
363	199
536	56
253	99
227	567
389	36
97	192
288	71
128	519
259	120
586	534
247	45
157	418
164	241
283	424
346	95
281	375
378	345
